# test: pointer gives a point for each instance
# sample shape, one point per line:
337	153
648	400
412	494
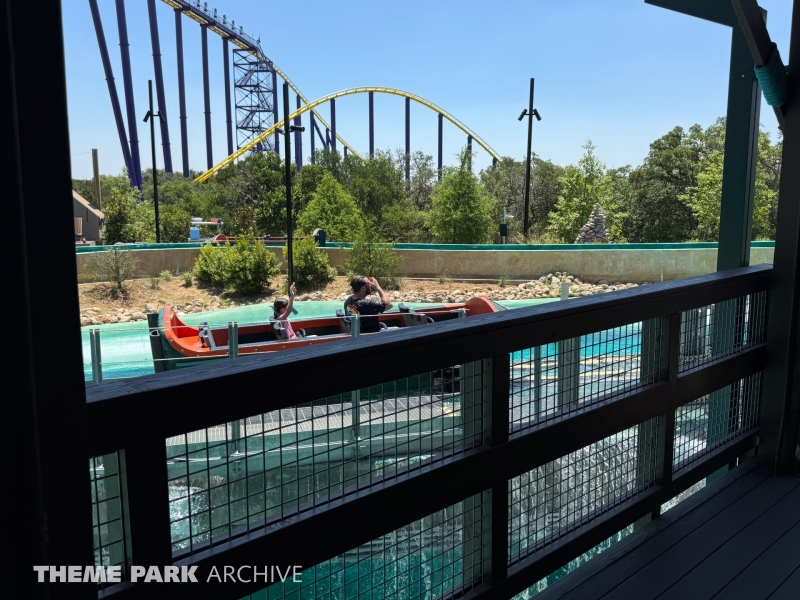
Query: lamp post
530	112
150	116
286	131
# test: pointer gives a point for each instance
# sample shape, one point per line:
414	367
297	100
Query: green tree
461	212
375	185
332	209
374	257
423	180
311	267
582	187
120	208
403	222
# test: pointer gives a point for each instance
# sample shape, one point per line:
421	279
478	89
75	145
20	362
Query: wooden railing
517	429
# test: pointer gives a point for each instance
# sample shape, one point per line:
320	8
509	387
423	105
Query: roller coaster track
245	42
283	76
310	106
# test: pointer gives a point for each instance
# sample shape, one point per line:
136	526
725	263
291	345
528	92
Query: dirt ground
139	292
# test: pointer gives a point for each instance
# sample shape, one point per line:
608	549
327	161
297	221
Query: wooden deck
739	538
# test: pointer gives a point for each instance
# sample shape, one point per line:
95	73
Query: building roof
87	204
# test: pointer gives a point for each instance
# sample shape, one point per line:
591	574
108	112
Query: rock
304	297
594	230
125	319
438	299
602	282
85	321
150	307
137	315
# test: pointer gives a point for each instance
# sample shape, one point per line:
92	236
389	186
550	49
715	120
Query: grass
503	281
444	278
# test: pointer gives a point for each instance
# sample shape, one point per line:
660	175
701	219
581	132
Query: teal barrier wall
515	247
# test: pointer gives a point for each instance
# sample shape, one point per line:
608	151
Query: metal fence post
355	401
233	354
568	365
97	361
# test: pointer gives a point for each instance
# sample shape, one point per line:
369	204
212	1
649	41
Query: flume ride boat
181	345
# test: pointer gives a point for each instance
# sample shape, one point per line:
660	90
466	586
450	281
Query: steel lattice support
253	80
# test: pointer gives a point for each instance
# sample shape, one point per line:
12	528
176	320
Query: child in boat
283	308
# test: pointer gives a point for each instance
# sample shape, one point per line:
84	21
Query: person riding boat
367	308
283	308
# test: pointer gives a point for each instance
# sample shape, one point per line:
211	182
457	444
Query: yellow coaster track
312	105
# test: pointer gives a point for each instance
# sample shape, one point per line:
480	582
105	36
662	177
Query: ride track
310	106
257	64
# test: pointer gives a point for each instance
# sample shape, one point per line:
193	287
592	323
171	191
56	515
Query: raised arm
384	296
292	293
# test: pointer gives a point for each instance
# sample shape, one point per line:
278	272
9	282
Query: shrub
503	281
187	277
374	257
246	268
155	281
113	265
311	267
444	278
165	275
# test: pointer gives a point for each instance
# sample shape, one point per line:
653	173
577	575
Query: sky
619	72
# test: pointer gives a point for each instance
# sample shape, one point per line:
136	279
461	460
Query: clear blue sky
619	72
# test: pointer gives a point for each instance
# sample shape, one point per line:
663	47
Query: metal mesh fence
584	558
712	332
713	420
438	555
555	380
236	477
559	497
107	513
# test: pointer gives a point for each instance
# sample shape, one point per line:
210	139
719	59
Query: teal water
125	347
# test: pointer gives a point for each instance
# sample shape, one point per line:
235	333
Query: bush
246	268
165	275
113	265
155	281
187	277
311	267
374	257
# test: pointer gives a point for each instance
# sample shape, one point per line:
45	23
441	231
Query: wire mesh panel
712	332
557	379
584	558
107	513
551	501
239	476
713	420
438	555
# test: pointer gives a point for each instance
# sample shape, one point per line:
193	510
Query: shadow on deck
739	538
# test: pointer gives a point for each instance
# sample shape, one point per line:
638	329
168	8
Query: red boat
184	345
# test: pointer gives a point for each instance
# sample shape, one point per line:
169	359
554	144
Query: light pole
151	117
286	132
530	112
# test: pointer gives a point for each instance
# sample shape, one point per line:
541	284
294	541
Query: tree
423	180
120	209
403	222
332	209
582	187
375	185
256	198
461	212
373	257
113	265
311	266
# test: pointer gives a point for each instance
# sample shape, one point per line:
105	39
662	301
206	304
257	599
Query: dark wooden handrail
166	404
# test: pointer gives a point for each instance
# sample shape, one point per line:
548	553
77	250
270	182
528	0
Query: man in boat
360	304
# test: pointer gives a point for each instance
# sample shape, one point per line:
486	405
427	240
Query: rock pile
547	286
595	229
